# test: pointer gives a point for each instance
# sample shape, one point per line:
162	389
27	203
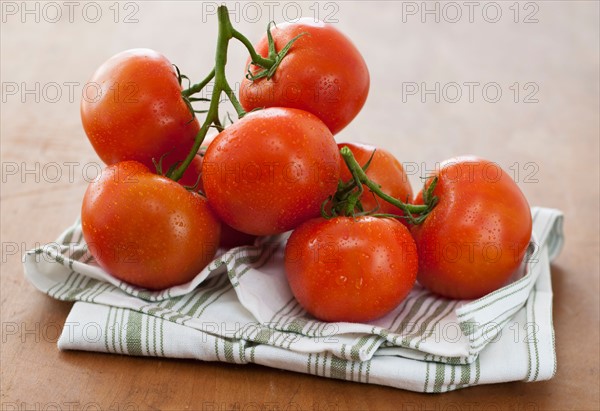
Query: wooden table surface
543	128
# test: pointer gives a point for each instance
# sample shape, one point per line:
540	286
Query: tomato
384	170
230	237
323	73
132	109
353	270
476	237
271	171
146	229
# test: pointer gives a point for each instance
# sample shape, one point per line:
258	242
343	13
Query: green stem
196	88
361	176
234	100
225	34
256	58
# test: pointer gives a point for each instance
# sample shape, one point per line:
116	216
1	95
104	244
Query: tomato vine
346	200
226	33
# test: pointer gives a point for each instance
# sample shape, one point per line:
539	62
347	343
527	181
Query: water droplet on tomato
358	283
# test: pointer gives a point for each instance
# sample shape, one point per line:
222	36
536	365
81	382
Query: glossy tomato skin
323	73
230	237
134	110
476	237
384	170
352	270
271	171
145	229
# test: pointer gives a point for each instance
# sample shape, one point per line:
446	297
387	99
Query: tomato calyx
194	188
346	200
158	165
187	98
270	64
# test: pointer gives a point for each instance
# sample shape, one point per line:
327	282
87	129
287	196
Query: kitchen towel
240	309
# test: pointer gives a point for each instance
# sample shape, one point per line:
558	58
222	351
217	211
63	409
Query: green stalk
360	177
196	88
217	74
225	34
256	58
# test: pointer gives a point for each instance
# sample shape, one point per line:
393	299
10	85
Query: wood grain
557	138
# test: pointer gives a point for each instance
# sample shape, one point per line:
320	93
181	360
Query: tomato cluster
165	203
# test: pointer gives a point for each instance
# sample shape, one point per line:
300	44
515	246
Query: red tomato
133	110
477	235
323	73
146	229
230	237
384	170
271	171
347	269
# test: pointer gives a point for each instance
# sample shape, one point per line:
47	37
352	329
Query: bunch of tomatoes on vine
360	238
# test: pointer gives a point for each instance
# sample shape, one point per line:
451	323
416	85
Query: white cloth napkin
239	309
